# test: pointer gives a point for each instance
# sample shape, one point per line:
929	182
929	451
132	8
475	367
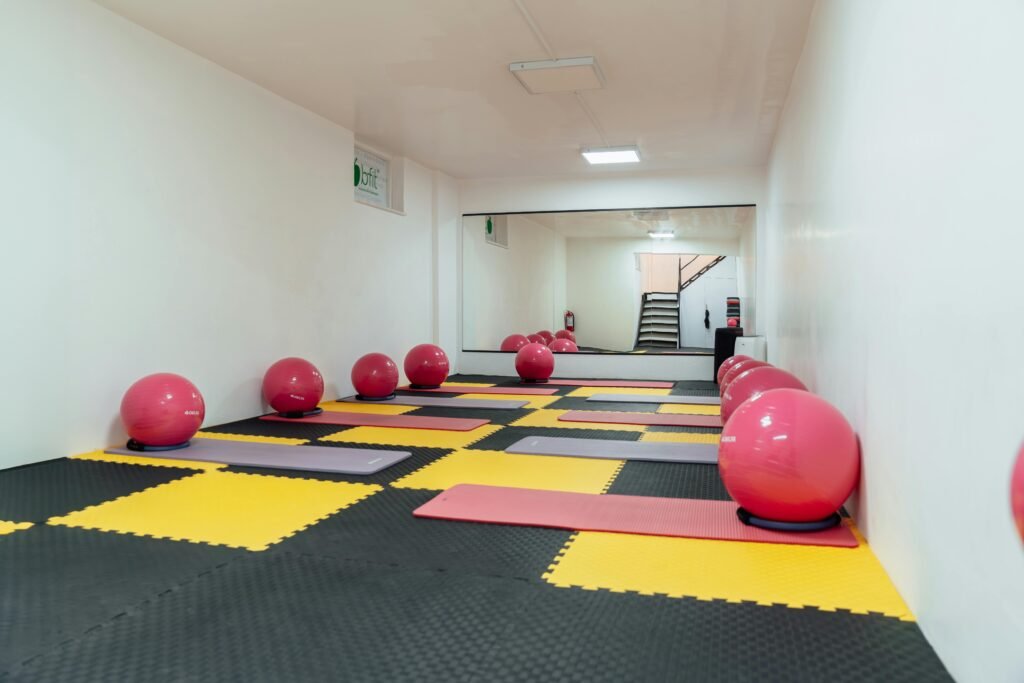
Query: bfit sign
371	178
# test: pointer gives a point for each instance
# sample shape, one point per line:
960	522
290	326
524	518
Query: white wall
710	290
162	214
520	289
892	221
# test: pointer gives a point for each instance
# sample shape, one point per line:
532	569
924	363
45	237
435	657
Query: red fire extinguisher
570	321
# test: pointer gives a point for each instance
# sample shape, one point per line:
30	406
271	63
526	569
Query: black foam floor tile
581	403
37	492
290	430
684	430
383	529
299	618
498	417
669	480
504	438
693	387
578	635
420	457
58	583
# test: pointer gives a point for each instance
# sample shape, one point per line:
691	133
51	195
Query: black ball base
360	397
774	525
424	386
533	381
298	414
134	445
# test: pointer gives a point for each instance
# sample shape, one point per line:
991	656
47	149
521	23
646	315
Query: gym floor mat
667	399
610	417
509	469
254	426
562	509
103	456
689	409
681	434
497	417
522	553
617	383
827	578
280	440
37	492
581	403
222	508
552	419
454	402
593	391
669	480
501	440
511	391
532	402
10	527
616	450
426	438
60	583
391	421
378	408
274	456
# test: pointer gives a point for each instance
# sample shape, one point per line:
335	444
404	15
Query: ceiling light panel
611	155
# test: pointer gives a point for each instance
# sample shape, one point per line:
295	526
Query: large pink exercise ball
162	410
293	385
754	382
375	376
563	346
426	366
514	342
738	369
727	365
536	339
546	335
1017	492
566	334
535	363
789	456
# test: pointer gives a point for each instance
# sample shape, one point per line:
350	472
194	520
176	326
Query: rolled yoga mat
637	398
652	451
277	456
490	404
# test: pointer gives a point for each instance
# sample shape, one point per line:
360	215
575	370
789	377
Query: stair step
662	296
659	338
664	329
657	305
663	316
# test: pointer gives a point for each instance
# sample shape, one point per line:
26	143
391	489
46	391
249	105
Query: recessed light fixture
661	234
558	75
611	155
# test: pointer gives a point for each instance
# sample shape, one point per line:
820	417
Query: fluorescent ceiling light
661	234
558	75
611	155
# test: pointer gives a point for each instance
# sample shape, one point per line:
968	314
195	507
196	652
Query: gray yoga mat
640	398
653	451
277	456
494	404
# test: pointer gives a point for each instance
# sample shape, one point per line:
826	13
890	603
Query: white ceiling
716	223
696	83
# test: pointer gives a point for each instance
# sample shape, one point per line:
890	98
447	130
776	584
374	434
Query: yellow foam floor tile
11	527
590	391
100	456
533	402
496	468
688	409
366	408
466	384
249	438
424	438
765	573
250	511
680	437
549	418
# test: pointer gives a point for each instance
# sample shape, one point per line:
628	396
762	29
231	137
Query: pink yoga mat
486	390
650	419
709	519
457	424
635	384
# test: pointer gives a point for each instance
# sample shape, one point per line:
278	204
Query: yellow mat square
688	409
549	418
249	438
680	437
424	438
11	527
496	468
250	511
466	384
366	408
146	460
590	391
765	573
533	402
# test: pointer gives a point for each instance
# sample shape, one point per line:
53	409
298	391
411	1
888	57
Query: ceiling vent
558	75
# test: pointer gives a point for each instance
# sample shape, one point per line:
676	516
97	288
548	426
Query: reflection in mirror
632	281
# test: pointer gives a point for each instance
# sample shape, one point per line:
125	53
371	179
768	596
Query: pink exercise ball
535	363
738	369
162	411
563	346
293	386
566	334
727	365
1017	492
536	339
514	342
547	336
732	322
789	456
754	382
426	366
375	377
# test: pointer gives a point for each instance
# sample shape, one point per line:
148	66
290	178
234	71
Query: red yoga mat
709	519
620	383
650	419
519	391
457	424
